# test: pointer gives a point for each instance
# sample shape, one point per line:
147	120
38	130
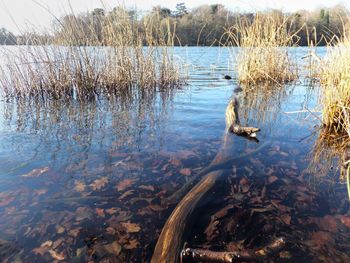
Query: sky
20	15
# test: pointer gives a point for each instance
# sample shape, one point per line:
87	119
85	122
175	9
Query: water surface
88	182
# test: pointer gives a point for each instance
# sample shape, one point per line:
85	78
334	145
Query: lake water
88	183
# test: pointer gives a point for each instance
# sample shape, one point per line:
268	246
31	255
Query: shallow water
88	182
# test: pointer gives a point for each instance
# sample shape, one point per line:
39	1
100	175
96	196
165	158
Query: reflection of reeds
64	72
330	151
261	105
263	57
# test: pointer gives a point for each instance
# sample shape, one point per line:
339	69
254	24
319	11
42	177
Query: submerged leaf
131	227
113	248
79	186
99	183
121	186
56	255
186	171
37	172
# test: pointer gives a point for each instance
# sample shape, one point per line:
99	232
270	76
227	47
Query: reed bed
335	92
263	56
82	62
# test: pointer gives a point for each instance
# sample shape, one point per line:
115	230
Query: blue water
76	176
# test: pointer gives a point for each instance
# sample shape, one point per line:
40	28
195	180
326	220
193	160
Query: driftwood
201	255
172	237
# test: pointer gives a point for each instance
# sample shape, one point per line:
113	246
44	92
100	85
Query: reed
335	92
263	56
84	59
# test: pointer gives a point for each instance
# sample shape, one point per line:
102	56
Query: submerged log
172	237
201	255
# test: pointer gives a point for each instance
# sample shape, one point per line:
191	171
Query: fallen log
174	232
201	255
172	236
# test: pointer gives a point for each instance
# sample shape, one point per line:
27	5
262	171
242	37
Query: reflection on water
85	182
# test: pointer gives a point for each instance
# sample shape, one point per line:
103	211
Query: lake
96	182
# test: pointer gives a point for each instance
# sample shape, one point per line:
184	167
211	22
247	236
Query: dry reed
263	56
84	62
335	92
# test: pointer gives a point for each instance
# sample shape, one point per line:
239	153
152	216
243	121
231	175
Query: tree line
202	26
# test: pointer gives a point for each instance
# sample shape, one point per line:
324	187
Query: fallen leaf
126	194
100	212
56	255
272	179
99	183
112	210
44	247
121	186
83	213
59	229
37	172
113	248
321	238
57	243
131	227
345	220
110	231
132	244
286	219
186	171
79	186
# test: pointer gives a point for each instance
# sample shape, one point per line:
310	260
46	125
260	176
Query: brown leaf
37	172
44	247
175	161
121	186
58	242
112	210
126	194
99	183
223	212
131	227
321	238
59	229
113	248
156	208
110	231
211	231
100	212
79	186
132	244
83	213
286	219
186	171
272	179
345	220
329	223
56	255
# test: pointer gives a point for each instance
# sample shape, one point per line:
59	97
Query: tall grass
263	56
335	93
81	62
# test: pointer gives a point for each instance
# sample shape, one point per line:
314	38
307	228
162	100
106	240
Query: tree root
201	255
